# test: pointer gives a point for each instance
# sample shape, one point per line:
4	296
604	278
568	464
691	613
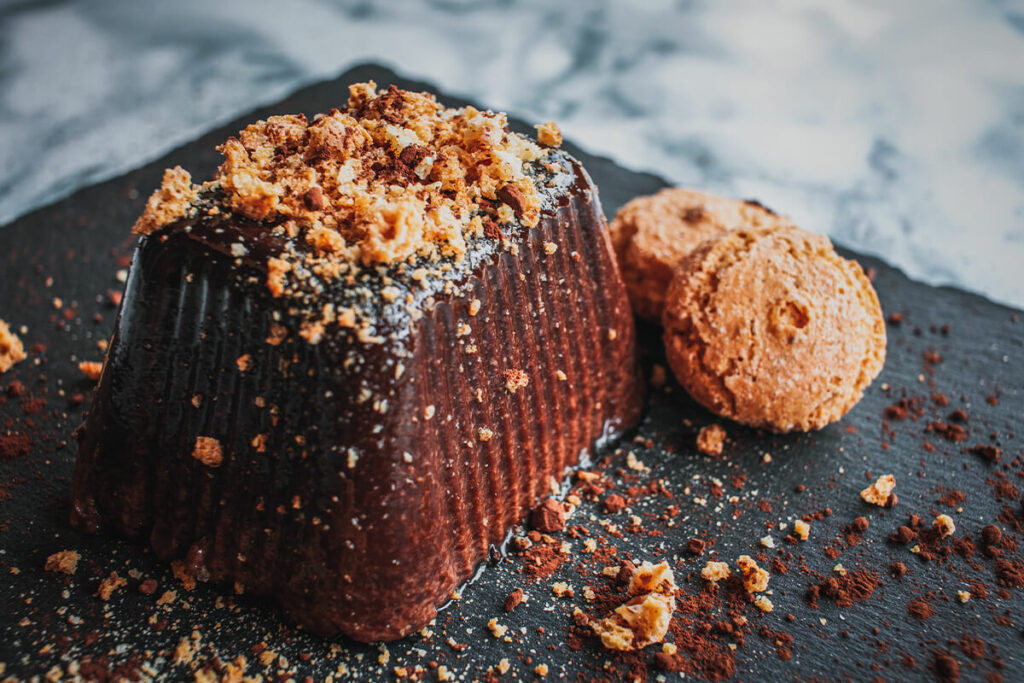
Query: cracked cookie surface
772	328
652	234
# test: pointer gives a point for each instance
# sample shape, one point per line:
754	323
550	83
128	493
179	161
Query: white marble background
895	126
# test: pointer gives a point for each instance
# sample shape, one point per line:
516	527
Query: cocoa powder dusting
947	669
844	591
1010	573
920	608
14	445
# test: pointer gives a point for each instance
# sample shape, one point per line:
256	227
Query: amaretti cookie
772	328
350	362
652	234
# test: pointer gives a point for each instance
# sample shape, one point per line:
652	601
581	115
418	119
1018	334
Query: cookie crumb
174	200
755	579
208	451
64	561
710	439
109	585
878	493
91	369
11	349
715	571
497	630
549	135
645	618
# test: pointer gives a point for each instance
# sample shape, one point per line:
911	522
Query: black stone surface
72	250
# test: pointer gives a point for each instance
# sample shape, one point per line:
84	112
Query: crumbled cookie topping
394	175
382	200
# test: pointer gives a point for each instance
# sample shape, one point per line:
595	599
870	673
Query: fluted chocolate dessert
345	366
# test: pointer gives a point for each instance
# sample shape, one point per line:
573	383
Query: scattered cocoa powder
14	445
855	586
1010	573
543	559
1005	490
972	647
920	608
953	498
947	669
33	406
987	453
953	433
991	534
903	534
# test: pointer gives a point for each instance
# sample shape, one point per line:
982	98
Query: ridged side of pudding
356	467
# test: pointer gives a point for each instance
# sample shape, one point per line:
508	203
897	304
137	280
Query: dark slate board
72	251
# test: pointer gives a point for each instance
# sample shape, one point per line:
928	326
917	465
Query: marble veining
895	127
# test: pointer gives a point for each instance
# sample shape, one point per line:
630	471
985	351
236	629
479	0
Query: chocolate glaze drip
376	491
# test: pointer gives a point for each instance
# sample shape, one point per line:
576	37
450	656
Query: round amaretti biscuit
652	234
773	329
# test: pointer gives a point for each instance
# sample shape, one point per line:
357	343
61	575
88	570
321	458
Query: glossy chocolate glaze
359	515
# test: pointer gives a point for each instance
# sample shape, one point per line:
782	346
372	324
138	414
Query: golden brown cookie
771	328
654	233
